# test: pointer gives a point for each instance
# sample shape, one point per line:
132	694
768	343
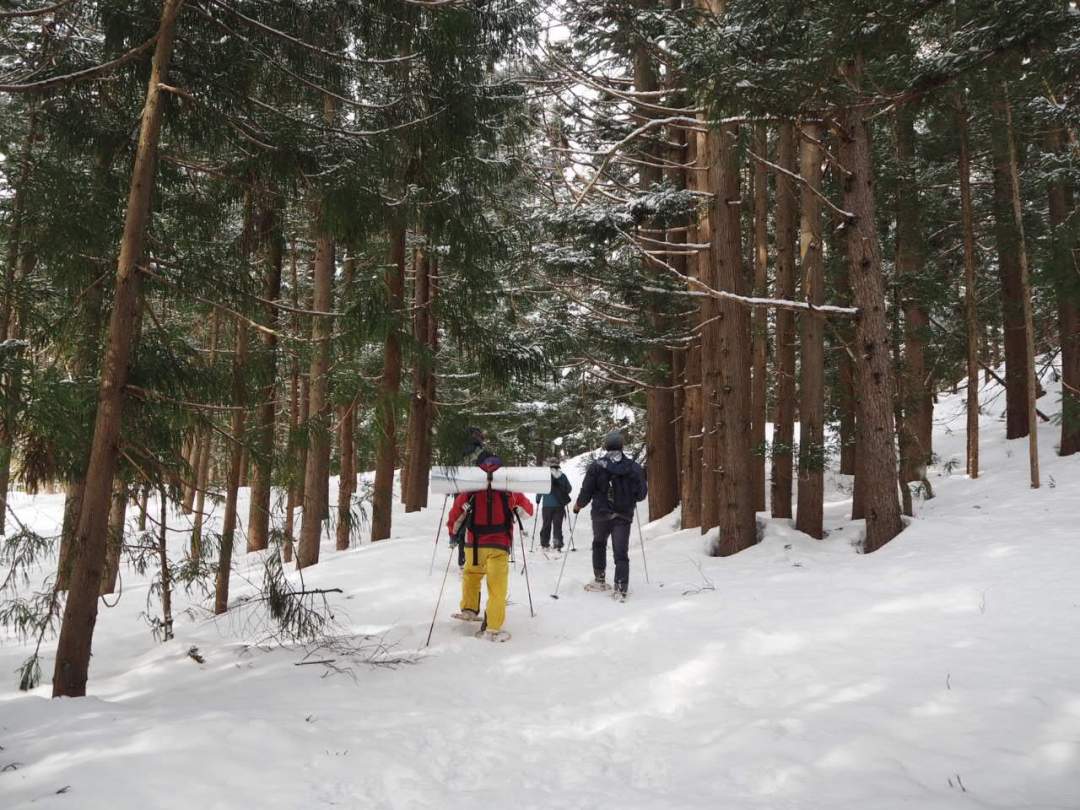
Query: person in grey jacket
614	484
553	506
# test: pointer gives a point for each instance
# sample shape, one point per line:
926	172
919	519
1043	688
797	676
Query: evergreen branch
313	85
35	12
337	57
847	215
636	133
703	290
81	75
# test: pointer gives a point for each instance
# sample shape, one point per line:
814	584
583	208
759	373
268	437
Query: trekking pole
558	582
435	615
438	531
532	542
525	566
641	536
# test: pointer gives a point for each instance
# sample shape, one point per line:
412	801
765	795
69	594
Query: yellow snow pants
494	563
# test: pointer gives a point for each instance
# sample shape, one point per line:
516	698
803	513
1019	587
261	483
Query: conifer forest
784	296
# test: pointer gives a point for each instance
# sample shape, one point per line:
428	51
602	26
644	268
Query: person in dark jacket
613	484
553	506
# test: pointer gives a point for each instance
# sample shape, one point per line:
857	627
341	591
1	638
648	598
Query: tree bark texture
317	469
784	425
115	540
971	290
660	428
916	399
232	484
417	470
202	459
727	359
273	245
1011	276
876	448
346	452
760	322
845	372
1066	270
80	612
1031	384
810	513
389	389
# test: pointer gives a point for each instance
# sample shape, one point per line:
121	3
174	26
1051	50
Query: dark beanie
613	441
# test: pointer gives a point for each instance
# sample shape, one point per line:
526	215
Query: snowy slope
940	672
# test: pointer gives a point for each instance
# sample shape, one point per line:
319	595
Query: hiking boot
493	635
558	546
466	615
544	545
597	584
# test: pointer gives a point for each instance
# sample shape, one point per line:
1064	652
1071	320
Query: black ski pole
532	541
562	568
525	564
641	536
438	601
438	531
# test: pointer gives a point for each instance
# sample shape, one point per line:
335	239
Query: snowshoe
494	635
466	616
618	595
597	585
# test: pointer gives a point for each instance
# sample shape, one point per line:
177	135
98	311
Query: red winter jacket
495	526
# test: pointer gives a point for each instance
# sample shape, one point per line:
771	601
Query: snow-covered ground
941	672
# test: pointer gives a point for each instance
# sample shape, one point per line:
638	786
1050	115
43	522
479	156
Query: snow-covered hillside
940	672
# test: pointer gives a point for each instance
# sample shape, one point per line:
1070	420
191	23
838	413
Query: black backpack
562	491
478	528
621	491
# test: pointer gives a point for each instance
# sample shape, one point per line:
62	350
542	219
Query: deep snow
940	672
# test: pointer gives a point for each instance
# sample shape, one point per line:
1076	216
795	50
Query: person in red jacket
488	516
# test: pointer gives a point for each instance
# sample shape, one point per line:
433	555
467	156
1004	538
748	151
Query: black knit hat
613	441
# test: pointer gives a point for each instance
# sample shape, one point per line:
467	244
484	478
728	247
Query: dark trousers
553	517
618	529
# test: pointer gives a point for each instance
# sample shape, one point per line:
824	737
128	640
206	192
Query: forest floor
940	672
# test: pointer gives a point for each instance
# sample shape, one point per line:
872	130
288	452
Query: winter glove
577	508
